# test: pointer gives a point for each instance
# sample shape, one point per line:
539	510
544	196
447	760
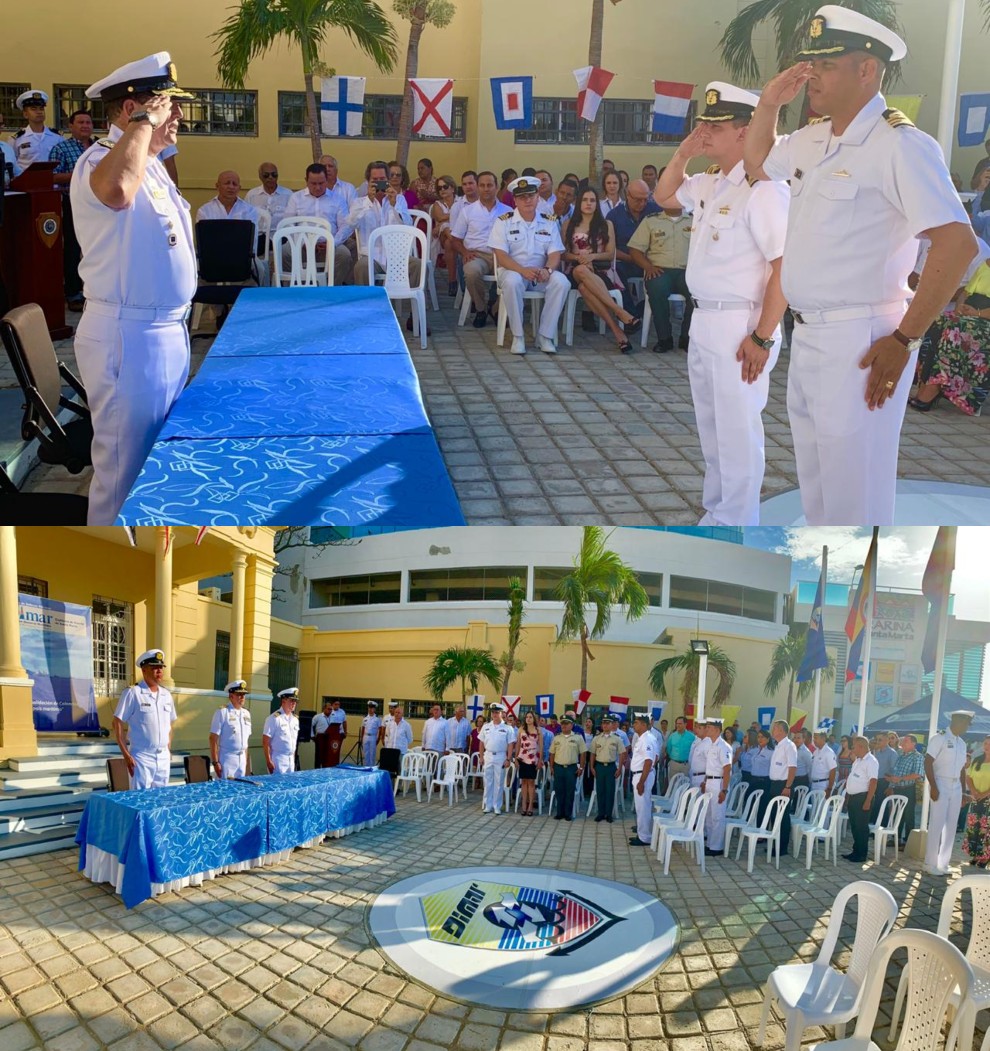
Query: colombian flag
859	620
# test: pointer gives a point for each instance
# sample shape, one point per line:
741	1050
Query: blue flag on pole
974	119
512	100
814	644
764	716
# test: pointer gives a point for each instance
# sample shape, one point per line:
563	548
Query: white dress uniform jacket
719	756
737	231
948	753
132	346
698	760
30	146
496	740
858	203
369	741
233	727
282	730
149	715
273	203
645	747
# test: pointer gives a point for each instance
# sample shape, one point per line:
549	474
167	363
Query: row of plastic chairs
938	982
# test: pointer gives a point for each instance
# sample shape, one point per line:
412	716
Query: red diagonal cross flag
433	105
511	703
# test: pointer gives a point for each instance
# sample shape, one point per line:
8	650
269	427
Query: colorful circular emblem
523	939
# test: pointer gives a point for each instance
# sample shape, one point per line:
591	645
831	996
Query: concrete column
258	622
10	631
236	670
163	602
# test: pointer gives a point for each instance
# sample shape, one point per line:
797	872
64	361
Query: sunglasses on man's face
269	175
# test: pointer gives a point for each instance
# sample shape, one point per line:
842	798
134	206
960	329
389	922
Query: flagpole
868	628
818	671
950	75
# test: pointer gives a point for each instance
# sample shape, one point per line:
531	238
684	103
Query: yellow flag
909	105
797	719
730	713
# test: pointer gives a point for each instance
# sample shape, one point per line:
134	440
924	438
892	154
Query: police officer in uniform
865	184
230	733
566	766
606	766
281	733
733	273
945	765
139	275
718	770
527	248
497	742
645	755
148	711
35	142
368	734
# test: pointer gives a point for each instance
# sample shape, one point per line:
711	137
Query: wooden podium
336	740
31	246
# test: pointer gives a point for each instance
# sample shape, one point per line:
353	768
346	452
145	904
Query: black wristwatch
765	344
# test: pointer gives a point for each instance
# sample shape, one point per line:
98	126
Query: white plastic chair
263	229
798	798
768	830
553	797
887	824
747	819
826	831
668	800
540	785
303	234
412	772
463	301
428	260
675	819
808	819
938	972
693	833
508	783
474	769
817	993
977	952
445	778
534	298
648	313
461	773
736	799
397	242
570	311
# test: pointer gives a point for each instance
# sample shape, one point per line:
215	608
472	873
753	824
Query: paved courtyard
594	437
280	959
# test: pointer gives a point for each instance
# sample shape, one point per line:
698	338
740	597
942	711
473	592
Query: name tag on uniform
542	233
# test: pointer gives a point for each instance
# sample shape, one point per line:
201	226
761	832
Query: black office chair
225	254
197	768
17	508
41	375
118	779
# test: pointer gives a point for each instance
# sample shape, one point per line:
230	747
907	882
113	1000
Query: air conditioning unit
213	593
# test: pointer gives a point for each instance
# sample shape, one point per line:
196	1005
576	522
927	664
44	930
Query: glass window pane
497	582
67	98
760	605
688	593
220	113
545	581
725	598
652	585
428	585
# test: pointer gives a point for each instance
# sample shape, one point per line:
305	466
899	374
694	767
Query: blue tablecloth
167	834
306	411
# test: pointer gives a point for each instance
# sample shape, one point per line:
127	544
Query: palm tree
790	19
462	663
419	14
595	138
688	664
256	26
602	580
785	661
516	612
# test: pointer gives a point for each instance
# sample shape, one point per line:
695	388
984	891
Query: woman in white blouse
611	198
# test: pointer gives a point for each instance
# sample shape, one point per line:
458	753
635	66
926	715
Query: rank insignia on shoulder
896	119
819	120
750	181
548	215
713	170
506	216
107	144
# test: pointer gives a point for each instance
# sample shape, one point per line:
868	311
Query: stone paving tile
306	975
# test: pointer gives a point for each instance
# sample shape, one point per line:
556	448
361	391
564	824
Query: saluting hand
886	360
695	144
785	87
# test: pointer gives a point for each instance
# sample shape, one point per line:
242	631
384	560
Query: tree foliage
785	662
462	664
688	664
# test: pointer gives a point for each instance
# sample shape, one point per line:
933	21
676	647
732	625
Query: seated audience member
981	165
611	197
339	189
659	247
314	202
228	203
269	196
546	194
469	194
625	218
589	259
470	234
424	187
398	179
382	205
440	214
508	175
563	204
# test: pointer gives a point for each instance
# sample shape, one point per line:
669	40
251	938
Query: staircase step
16	800
22	844
32	818
83	747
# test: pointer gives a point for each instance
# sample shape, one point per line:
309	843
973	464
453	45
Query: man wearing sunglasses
269	195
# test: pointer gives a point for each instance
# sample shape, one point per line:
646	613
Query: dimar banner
57	653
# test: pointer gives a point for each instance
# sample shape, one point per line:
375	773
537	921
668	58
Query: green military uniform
664	240
566	752
606	749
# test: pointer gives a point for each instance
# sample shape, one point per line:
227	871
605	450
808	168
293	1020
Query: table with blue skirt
306	411
150	841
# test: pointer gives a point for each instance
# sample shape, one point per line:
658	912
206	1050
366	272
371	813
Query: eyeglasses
269	175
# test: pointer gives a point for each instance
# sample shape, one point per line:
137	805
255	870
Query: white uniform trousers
475	272
512	285
283	763
644	806
132	371
493	781
151	769
846	455
233	764
942	817
715	816
368	748
729	413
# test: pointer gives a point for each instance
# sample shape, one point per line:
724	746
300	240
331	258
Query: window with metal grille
220	113
627	122
67	98
381	118
355	705
413	709
113	645
221	661
283	668
11	116
32	586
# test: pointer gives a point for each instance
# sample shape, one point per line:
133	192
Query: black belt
717	777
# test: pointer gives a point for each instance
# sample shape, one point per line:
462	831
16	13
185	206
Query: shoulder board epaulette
20	133
713	170
549	215
751	182
505	215
819	120
107	143
896	119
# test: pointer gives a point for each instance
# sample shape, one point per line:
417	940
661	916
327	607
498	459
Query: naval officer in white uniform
865	184
368	734
527	247
281	733
733	273
139	275
718	770
643	767
230	733
945	762
497	740
36	141
148	711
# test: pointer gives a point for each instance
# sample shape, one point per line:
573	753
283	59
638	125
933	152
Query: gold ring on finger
889	384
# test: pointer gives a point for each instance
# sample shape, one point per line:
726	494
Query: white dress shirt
473	224
863	771
273	203
435	735
367	214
